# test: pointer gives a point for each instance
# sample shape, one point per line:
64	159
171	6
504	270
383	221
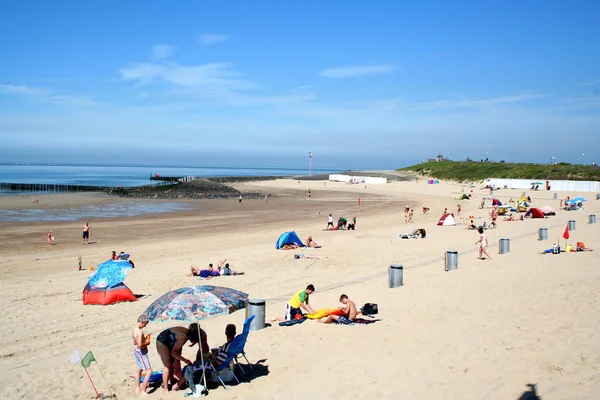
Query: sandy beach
484	331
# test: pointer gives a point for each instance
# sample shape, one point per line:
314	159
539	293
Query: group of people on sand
121	256
223	269
342	224
169	345
310	242
300	301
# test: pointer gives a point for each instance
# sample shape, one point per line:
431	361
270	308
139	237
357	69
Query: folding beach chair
243	340
234	348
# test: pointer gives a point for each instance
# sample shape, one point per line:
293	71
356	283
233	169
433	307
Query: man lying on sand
349	315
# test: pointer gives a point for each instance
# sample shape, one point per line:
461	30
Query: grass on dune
471	170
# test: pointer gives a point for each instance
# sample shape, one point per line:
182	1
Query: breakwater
60	188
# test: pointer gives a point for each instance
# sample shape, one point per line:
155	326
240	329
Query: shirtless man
349	316
86	230
494	216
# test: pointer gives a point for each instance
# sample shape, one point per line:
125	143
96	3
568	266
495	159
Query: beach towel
357	321
325	312
293	322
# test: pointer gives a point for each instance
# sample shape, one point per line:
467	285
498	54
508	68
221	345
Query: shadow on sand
530	394
245	373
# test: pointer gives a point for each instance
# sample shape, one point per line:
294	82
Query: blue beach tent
288	238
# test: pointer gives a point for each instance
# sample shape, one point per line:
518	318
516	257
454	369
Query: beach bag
369	309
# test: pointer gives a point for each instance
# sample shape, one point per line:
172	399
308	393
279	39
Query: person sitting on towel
349	315
311	243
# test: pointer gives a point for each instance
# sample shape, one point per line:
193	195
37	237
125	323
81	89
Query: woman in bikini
169	344
311	243
483	243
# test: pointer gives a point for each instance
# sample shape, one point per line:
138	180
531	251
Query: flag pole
92	382
104	378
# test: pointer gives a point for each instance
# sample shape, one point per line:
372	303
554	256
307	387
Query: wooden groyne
58	188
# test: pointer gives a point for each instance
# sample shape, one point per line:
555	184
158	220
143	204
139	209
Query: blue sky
361	85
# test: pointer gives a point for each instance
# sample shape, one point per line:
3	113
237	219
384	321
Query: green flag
87	360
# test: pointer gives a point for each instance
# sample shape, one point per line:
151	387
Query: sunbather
311	243
290	246
225	271
308	256
195	271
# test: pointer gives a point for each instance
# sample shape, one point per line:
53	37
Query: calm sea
107	175
126	176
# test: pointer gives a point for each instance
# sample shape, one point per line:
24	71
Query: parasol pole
201	354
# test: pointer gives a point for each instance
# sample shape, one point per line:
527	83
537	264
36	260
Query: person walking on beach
458	207
86	231
140	354
483	243
308	193
329	221
358	200
240	199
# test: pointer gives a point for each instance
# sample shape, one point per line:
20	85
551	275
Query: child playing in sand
140	353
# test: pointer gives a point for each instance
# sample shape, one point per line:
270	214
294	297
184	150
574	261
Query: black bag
369	309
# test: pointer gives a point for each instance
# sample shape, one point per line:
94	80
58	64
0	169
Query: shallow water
111	210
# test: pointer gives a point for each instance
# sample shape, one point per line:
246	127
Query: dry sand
482	331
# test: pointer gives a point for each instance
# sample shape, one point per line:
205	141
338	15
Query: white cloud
162	51
208	39
474	103
358	70
19	89
589	83
206	76
208	84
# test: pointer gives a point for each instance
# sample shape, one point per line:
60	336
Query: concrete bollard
504	246
396	275
556	195
593	219
597	196
543	234
257	308
571	225
451	260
